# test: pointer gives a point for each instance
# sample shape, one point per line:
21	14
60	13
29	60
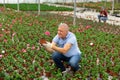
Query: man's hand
47	45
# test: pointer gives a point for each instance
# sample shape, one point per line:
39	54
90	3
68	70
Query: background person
103	15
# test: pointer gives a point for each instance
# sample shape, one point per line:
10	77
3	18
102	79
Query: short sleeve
72	39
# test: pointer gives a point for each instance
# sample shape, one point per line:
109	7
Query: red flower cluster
83	29
47	33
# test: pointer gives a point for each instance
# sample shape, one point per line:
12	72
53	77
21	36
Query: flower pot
42	41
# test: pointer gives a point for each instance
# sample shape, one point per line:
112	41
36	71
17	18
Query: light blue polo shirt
70	38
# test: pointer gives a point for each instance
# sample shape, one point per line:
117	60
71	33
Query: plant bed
25	59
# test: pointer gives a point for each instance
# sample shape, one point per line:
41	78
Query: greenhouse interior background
26	24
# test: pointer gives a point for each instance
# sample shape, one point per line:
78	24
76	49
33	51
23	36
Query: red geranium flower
47	33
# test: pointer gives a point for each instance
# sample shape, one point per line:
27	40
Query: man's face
62	32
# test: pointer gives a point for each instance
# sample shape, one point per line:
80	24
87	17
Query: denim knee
54	56
72	64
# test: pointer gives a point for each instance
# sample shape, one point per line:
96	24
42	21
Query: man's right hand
47	45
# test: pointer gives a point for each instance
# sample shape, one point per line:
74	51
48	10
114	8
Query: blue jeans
104	18
72	61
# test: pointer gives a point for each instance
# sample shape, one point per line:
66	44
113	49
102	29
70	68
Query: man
103	15
65	48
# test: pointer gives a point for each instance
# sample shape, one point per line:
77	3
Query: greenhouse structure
50	1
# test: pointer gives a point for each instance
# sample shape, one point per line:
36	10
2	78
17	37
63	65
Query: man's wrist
52	46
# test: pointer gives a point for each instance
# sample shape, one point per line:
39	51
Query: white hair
64	25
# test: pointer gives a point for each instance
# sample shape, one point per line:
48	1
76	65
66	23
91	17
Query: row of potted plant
22	57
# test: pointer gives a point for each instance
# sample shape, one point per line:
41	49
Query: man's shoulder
71	34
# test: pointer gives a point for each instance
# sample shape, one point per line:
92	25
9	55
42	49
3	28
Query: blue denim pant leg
103	18
74	62
99	17
58	58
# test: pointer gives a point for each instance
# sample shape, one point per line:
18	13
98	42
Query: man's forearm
61	50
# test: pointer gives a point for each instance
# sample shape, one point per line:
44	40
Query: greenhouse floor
89	14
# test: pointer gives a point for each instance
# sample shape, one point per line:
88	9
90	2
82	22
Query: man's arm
62	50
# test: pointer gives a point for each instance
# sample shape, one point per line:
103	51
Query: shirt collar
67	35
